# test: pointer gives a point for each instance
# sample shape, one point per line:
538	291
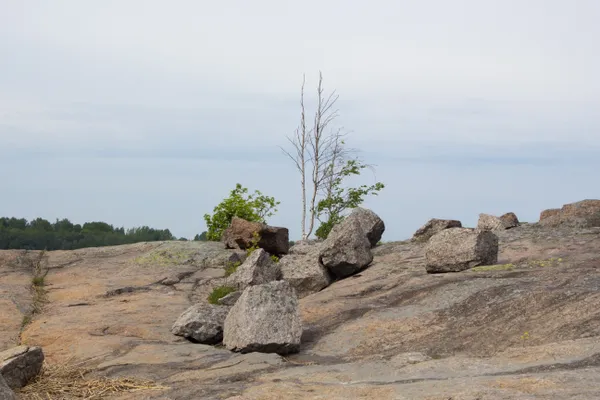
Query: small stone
20	364
202	323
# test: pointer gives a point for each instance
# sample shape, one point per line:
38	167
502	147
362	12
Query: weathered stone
201	322
6	393
306	247
549	213
370	223
510	220
582	214
458	249
346	250
229	299
240	235
265	319
304	273
21	364
434	226
492	223
257	269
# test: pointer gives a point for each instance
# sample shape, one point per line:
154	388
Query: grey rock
510	220
230	299
21	364
304	273
257	269
265	319
6	393
370	223
346	250
434	226
458	249
306	247
488	222
202	323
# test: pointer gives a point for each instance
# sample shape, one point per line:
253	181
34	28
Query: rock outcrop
257	269
202	322
265	319
582	214
458	249
6	393
492	223
240	235
20	364
434	226
304	272
371	224
510	220
347	250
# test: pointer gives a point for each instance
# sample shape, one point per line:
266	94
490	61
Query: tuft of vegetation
251	207
254	244
37	264
231	267
274	258
219	292
40	234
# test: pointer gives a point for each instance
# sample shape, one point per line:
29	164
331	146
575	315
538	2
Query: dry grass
70	381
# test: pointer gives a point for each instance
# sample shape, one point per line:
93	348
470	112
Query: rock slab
202	322
459	249
258	268
265	319
434	226
582	214
21	364
240	235
346	250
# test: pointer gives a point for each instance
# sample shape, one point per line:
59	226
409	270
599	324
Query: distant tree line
40	234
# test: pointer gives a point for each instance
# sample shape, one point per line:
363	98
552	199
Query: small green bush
230	268
219	292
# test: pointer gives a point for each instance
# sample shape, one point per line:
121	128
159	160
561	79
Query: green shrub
219	292
255	207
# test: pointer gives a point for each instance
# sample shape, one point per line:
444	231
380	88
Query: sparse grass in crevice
220	292
37	263
231	267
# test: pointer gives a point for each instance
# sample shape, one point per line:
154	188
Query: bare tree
318	152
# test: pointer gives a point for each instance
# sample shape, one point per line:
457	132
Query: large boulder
434	226
265	319
240	235
582	214
458	249
21	364
304	272
370	223
492	223
202	323
257	269
346	250
6	393
510	220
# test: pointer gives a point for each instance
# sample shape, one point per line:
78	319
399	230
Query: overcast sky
149	112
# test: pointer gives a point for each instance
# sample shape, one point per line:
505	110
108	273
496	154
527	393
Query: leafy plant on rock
251	207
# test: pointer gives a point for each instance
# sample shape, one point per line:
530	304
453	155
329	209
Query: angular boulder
305	246
240	235
265	319
257	269
582	214
370	223
459	249
304	272
492	223
20	364
346	250
434	226
202	322
510	220
6	393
